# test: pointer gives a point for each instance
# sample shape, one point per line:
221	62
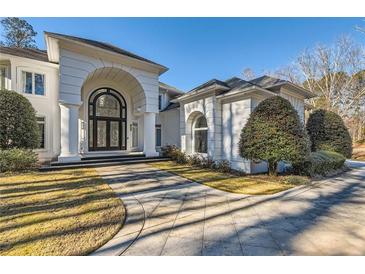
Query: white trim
20	70
53	56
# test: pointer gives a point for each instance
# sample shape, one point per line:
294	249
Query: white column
69	133
149	134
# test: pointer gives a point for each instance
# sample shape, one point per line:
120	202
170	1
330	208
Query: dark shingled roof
236	83
102	45
267	81
171	106
36	54
210	83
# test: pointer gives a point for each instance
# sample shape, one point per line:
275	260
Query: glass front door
107	120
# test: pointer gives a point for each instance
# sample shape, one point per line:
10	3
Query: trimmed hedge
18	123
17	160
320	163
328	132
274	133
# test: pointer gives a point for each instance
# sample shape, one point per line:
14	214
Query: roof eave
53	55
245	91
205	90
304	92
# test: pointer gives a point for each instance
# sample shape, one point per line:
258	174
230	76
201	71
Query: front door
107	120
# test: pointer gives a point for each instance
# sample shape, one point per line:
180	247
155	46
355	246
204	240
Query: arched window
200	135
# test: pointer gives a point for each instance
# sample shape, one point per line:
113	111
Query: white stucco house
93	98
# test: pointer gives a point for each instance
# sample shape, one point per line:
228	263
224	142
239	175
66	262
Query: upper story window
33	83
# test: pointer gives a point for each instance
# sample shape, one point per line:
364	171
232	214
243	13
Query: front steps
103	160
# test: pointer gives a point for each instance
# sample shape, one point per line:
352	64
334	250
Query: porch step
102	163
101	159
112	156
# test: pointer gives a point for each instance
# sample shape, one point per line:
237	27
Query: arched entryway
107	120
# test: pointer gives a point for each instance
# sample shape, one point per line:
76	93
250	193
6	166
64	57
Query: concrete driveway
168	215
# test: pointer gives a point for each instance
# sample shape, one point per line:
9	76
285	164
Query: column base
69	158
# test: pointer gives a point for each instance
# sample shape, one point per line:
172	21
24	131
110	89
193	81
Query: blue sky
198	49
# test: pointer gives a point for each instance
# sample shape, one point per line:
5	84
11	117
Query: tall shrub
274	133
18	124
328	132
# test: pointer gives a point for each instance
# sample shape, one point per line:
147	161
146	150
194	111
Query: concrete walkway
168	215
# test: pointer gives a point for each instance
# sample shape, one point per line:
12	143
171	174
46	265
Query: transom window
33	83
200	135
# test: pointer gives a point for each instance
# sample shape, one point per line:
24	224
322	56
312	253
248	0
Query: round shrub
17	160
18	124
328	132
274	133
320	163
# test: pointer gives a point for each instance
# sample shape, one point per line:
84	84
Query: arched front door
107	120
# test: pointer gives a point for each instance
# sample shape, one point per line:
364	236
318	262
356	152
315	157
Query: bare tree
336	74
18	33
248	74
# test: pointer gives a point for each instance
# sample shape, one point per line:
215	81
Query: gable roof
236	84
208	84
35	54
102	45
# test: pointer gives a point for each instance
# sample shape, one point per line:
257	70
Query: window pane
91	134
158	135
2	77
108	106
27	82
134	135
39	84
101	133
114	133
201	141
90	109
201	122
41	126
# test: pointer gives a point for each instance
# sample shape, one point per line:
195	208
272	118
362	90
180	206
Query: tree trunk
273	168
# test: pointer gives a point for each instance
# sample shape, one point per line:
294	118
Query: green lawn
248	184
70	212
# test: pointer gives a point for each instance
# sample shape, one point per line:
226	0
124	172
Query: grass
70	212
248	184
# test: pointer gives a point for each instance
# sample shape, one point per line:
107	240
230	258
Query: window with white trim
200	135
3	70
41	121
158	135
33	83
